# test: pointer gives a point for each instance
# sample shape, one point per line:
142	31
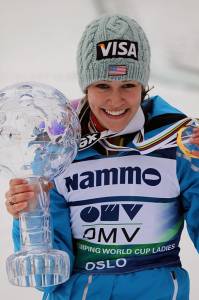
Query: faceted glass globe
39	130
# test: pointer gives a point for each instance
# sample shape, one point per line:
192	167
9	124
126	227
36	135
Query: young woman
119	209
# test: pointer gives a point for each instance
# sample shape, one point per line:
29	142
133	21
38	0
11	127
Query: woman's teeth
115	113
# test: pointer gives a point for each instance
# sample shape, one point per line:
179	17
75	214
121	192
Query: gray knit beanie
113	47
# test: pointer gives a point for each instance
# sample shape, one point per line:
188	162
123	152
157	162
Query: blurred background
38	41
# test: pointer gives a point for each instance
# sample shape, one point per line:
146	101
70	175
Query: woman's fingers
15	208
22	196
17	186
195	153
19	196
195	140
195	137
16	181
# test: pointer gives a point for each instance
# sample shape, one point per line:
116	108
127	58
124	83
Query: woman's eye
128	85
102	86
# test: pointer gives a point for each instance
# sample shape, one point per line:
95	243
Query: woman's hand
21	195
18	196
195	140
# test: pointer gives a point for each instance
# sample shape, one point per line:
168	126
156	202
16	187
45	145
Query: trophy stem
37	264
35	229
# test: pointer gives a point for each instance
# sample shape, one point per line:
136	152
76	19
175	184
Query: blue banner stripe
121	199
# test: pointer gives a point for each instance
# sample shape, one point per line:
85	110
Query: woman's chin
116	128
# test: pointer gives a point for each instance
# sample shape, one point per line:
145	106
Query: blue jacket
97	199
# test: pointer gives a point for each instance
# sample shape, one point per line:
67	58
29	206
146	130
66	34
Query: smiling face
114	103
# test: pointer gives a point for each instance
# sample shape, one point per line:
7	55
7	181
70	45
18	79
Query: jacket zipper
175	285
90	278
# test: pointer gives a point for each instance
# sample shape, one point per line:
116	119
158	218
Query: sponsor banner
92	257
126	223
135	175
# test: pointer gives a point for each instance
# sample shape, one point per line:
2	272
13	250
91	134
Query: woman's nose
115	99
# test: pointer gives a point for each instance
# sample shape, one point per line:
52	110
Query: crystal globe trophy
39	138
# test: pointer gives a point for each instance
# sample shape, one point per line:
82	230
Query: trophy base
38	268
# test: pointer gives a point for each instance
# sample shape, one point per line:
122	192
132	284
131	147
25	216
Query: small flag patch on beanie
114	70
